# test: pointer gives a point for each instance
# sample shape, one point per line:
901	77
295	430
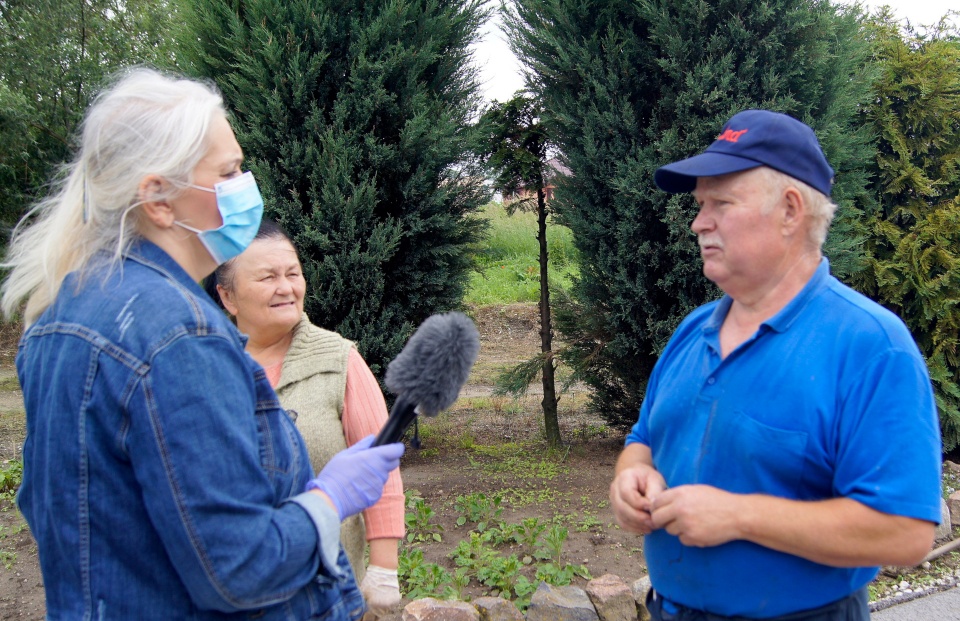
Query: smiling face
266	289
740	230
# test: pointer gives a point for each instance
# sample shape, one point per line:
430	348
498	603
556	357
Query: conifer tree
914	237
630	85
353	116
514	144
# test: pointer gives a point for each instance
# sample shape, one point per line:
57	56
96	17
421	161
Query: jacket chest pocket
282	455
277	441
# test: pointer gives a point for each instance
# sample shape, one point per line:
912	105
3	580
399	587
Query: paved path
942	606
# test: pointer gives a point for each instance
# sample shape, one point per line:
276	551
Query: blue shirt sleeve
888	438
640	432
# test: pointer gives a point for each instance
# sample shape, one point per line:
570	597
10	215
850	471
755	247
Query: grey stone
430	609
497	609
954	504
640	587
944	530
612	598
566	603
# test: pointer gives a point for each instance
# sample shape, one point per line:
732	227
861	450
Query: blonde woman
162	480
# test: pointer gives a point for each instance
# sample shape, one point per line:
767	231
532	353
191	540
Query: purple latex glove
354	478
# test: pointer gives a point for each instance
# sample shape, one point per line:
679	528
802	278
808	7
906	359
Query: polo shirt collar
782	321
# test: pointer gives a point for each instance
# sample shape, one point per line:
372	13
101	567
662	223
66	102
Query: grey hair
819	206
145	123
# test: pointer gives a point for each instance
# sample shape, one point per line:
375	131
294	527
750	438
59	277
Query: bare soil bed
21	586
495	446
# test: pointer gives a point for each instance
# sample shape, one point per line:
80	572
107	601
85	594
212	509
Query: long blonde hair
145	123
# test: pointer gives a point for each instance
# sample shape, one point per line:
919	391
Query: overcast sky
500	70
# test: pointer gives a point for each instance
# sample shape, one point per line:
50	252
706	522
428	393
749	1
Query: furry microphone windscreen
435	362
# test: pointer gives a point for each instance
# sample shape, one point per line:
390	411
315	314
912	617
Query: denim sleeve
196	451
327	523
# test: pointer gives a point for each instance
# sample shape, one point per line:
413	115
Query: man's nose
700	223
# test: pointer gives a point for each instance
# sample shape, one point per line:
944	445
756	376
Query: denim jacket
162	480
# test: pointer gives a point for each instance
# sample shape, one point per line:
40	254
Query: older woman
322	377
162	480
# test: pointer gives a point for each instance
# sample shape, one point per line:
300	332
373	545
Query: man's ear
226	296
794	211
155	210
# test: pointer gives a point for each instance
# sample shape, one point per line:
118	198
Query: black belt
850	608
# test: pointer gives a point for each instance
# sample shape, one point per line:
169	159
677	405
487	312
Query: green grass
507	261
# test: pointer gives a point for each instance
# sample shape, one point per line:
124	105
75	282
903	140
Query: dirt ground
21	587
572	491
495	446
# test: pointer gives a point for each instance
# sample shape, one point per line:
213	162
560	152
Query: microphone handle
401	417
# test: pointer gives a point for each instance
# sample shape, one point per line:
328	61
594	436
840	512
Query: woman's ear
226	296
155	210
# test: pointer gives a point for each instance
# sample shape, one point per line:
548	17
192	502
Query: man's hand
839	532
634	487
700	515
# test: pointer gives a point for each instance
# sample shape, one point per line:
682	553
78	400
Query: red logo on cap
732	136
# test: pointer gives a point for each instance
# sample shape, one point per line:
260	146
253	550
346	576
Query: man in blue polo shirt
788	442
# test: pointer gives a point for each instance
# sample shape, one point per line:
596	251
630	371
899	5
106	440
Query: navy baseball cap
750	139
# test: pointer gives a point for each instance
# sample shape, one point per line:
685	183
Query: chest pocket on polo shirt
744	455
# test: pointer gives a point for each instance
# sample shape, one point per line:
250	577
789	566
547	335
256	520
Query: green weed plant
478	509
555	571
484	555
11	476
419	520
420	579
516	460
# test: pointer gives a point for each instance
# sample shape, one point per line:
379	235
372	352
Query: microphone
430	370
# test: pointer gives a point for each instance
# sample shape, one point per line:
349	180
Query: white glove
381	589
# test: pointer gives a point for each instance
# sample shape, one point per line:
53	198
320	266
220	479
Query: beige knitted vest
313	380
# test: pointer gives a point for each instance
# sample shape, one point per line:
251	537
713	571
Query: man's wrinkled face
738	229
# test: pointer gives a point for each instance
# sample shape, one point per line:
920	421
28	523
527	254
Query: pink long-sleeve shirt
364	413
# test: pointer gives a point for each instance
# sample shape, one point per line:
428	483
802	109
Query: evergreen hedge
354	117
628	86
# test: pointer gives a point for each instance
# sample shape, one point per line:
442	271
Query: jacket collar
151	255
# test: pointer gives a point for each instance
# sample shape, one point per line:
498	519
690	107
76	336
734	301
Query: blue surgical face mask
241	208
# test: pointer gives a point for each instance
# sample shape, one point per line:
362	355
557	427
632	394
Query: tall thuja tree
629	85
354	116
514	145
54	57
914	237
